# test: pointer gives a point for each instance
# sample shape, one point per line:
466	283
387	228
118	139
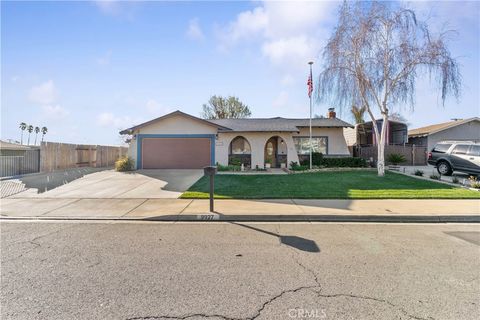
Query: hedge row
320	161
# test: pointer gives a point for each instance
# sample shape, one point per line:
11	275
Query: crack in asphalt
33	242
185	317
346	295
318	286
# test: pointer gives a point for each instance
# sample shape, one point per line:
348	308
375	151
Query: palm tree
44	131
29	129
23	126
37	130
358	113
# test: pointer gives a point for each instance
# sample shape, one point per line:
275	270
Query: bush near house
320	161
396	158
296	167
235	161
124	164
228	168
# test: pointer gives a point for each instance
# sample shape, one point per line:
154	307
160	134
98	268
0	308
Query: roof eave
178	112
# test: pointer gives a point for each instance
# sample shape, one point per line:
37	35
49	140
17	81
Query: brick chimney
331	113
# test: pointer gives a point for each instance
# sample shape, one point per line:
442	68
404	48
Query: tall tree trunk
43	135
21	138
36	135
28	139
381	147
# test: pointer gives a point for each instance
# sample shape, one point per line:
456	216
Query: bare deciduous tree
223	108
374	58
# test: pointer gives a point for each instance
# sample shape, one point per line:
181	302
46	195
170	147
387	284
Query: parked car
452	156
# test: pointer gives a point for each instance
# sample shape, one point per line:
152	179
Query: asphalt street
153	270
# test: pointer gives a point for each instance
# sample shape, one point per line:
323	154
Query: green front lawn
327	185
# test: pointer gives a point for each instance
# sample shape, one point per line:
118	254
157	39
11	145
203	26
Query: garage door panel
175	153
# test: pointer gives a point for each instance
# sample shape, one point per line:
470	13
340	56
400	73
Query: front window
240	145
319	144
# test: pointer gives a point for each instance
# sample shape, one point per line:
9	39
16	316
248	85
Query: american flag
310	85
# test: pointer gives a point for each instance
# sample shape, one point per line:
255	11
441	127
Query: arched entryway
275	152
240	152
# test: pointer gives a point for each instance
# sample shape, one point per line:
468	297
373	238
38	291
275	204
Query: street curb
209	217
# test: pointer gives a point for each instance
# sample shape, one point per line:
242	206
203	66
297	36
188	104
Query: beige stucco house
181	141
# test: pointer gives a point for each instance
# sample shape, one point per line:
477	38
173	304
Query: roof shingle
423	131
278	124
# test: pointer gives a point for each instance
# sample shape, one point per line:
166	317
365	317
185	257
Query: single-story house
364	135
12	149
463	130
179	140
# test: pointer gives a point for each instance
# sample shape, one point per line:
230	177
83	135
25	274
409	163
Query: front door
271	152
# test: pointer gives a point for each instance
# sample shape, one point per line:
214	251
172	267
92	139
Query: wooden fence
415	155
21	164
55	156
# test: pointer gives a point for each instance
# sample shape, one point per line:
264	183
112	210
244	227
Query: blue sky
87	69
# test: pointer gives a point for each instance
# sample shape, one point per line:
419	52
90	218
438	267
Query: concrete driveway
111	184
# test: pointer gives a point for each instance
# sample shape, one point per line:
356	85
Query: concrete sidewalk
244	210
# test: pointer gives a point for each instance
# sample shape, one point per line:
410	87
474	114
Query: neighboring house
468	129
12	149
363	134
179	140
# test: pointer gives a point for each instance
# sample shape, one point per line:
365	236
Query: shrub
235	161
434	177
418	173
295	167
317	158
455	180
396	158
474	183
228	168
300	168
124	164
351	162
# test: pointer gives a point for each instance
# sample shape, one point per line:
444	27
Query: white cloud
194	31
44	94
54	112
281	100
248	24
108	119
105	59
119	8
293	51
290	33
108	6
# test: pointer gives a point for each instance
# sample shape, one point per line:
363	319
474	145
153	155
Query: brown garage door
175	153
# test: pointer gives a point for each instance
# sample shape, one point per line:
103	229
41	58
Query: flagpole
310	96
